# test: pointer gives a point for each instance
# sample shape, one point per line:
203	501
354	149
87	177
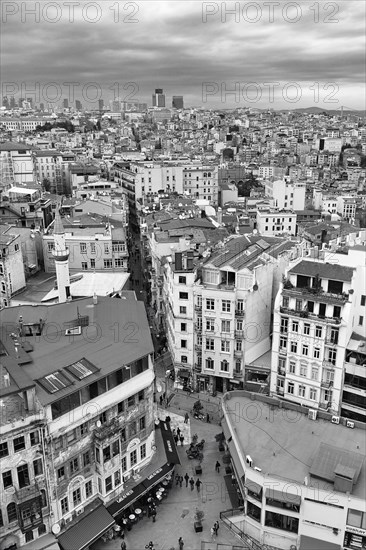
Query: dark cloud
171	47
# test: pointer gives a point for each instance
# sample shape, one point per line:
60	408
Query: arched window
43	498
12	512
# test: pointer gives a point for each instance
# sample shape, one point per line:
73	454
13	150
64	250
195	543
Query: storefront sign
356	531
155	473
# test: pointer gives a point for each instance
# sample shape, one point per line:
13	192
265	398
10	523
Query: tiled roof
14	146
323	270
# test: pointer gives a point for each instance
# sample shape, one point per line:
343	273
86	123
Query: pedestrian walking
123	545
181	481
153	513
176	439
181	439
213	533
186	418
178	431
198	485
217	466
216	527
180	543
186	477
208	418
191	482
161	400
177	478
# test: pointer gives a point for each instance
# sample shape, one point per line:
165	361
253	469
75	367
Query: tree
46	184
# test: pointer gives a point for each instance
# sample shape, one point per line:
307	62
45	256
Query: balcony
316	295
281	372
198	348
329	365
198	307
197	368
324	405
280	391
198	328
239	333
311	316
331	341
238	374
27	493
239	313
238	353
326	384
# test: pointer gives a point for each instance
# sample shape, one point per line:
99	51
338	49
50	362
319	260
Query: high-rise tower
158	98
61	255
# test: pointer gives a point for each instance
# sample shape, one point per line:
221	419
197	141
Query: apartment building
78	438
286	194
12	273
50	165
272	221
16	164
201	182
26	207
217	310
314	319
299	477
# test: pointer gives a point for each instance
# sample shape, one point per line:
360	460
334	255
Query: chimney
219	215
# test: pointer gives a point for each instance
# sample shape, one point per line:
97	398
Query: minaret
61	255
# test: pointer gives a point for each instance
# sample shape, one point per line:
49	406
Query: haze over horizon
180	46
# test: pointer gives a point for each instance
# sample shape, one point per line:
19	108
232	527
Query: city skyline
259	54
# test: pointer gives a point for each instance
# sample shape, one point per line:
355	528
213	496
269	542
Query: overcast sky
181	46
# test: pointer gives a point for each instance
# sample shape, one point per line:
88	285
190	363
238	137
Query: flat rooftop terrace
285	443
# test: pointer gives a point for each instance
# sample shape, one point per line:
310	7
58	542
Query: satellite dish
56	529
98	424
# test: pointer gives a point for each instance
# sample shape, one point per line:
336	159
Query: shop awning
283	497
184	374
88	530
170	446
157	476
231	489
126	499
309	543
253	486
236	382
236	459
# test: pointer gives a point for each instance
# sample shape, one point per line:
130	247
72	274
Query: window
314	373
7	479
71	436
23	476
84	266
209	364
103	417
318	331
283	342
143	451
61	473
239	345
224	366
210	344
284	325
183	343
295	326
226	306
225	346
332	356
64	505
117	478
356	518
183	327
92	248
108	484
210	325
38	467
183	296
305	349
34	438
11	510
285	302
306	329
106	248
142	423
106	454
4	451
123	434
183	310
124	464
74	465
107	263
82	248
293	347
120	407
363	303
76	497
298	305
210	304
182	280
141	395
292	367
303	370
131	401
290	388
133	457
132	429
83	429
88	489
360	320
313	394
86	459
301	391
19	444
316	353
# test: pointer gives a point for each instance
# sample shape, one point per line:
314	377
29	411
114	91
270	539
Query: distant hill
332	112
